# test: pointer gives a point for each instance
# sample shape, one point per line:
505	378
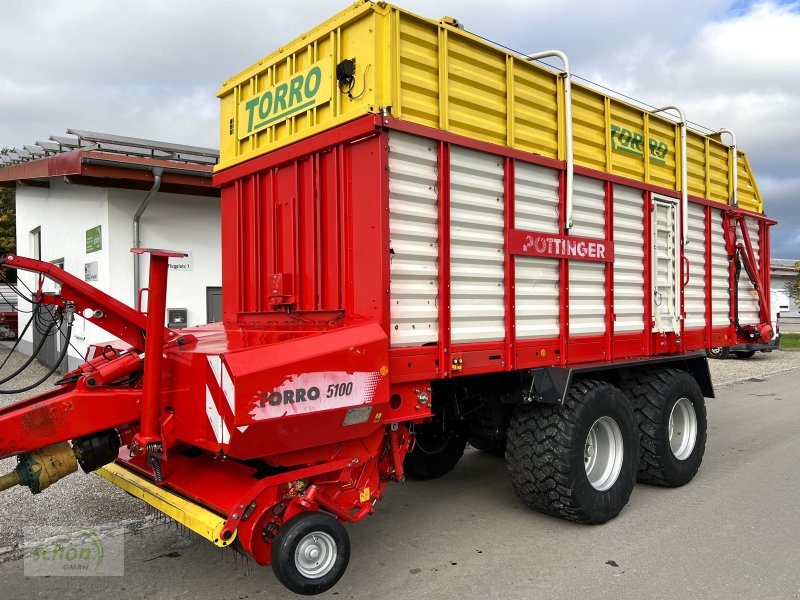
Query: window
36	243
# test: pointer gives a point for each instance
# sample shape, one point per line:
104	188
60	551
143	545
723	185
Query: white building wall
172	221
63	212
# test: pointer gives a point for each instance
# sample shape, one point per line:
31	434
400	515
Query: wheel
719	352
434	453
493	447
745	353
671	415
578	460
310	553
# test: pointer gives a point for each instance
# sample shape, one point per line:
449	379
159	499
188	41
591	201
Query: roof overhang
104	169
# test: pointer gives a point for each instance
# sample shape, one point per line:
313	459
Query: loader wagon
427	241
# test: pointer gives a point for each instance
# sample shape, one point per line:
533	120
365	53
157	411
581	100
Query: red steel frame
420	364
282	249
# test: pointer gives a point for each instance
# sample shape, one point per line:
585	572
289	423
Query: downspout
684	176
157	172
734	167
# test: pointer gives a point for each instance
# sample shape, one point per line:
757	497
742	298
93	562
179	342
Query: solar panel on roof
79	139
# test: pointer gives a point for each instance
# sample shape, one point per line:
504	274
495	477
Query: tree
8	226
793	287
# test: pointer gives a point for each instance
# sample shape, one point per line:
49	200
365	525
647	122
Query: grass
790	340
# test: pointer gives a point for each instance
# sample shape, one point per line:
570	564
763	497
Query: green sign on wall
94	240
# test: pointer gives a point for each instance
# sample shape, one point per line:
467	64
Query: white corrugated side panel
587	280
720	296
694	294
628	259
477	305
536	279
748	297
413	239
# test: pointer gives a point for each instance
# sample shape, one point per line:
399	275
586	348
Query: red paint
509	266
444	258
306	292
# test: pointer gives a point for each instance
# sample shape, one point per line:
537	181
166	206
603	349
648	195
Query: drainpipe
157	172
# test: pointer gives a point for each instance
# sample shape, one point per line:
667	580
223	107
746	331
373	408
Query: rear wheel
493	447
310	553
435	452
745	353
671	415
719	352
578	460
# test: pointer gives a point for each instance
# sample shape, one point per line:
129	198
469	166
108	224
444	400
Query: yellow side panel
418	49
588	128
434	74
476	90
663	165
355	38
535	101
718	165
627	141
749	195
696	163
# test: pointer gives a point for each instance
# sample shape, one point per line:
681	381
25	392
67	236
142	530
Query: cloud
149	68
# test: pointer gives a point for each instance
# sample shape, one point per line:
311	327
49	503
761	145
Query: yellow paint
434	74
197	518
364	496
309	89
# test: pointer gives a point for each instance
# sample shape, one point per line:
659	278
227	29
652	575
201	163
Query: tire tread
645	392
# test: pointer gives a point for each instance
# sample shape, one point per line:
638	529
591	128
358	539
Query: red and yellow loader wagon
427	241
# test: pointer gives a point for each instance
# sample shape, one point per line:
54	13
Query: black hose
52	370
19	339
32	357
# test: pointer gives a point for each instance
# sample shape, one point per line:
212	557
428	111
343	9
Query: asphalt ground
731	533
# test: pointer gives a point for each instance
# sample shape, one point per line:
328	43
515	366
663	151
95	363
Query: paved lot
731	533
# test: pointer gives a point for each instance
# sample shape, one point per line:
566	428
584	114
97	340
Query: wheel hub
315	555
603	453
682	429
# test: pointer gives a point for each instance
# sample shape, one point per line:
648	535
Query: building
782	270
79	201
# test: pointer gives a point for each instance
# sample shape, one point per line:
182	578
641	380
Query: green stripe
296	109
623	149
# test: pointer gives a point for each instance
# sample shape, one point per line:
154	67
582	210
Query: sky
150	68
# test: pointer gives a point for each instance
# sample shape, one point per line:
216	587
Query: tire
547	453
719	352
493	447
433	455
299	570
745	353
655	394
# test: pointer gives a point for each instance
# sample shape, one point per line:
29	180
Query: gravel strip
87	500
77	500
735	370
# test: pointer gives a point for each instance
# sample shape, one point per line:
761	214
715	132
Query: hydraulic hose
52	370
33	355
